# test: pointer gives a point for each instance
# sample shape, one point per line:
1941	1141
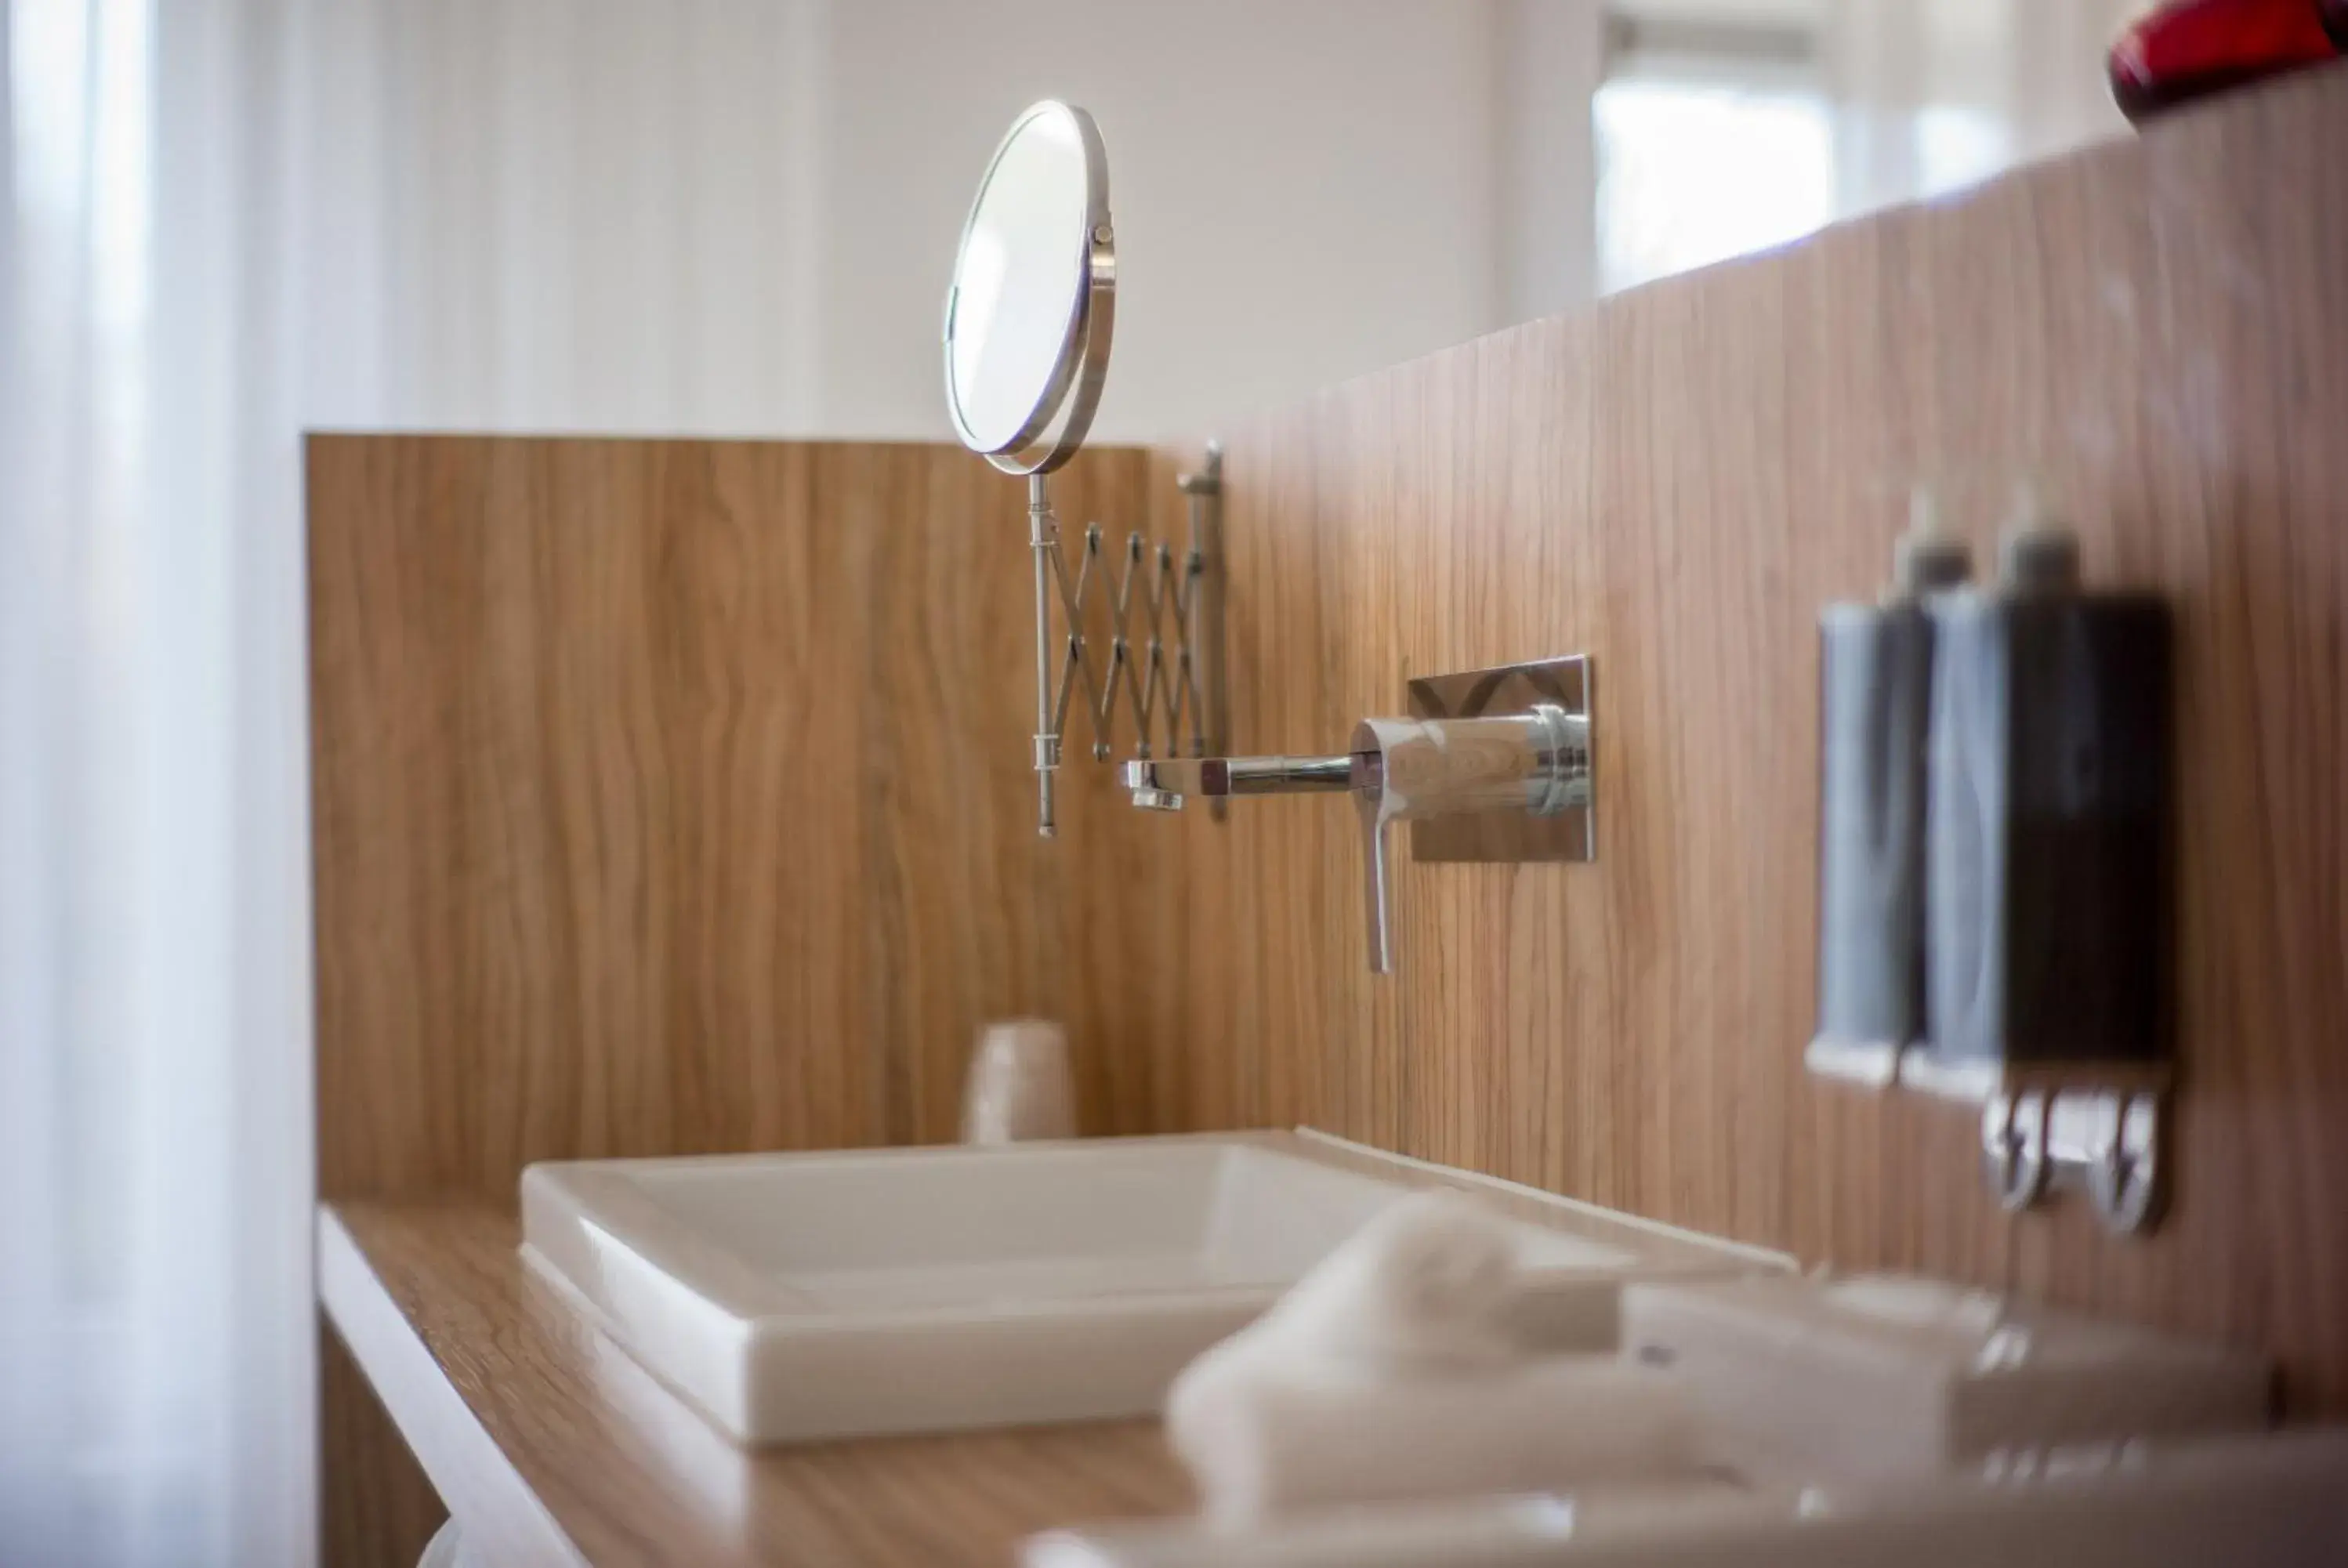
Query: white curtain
223	222
155	1352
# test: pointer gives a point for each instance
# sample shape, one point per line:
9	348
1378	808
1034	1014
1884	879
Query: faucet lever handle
1377	883
1535	762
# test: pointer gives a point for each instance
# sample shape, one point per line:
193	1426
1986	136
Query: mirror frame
1073	391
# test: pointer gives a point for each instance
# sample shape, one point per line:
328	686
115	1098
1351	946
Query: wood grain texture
559	1448
664	802
376	1505
2156	333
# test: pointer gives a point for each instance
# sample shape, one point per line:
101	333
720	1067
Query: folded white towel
1390	1371
1264	1435
1431	1282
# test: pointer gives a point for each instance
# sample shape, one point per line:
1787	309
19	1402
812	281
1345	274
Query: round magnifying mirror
1033	293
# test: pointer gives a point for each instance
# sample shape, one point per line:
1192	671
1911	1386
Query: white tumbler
1019	1087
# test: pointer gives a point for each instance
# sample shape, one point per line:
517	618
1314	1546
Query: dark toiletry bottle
1874	666
2047	916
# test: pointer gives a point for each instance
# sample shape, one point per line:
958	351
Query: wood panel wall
2156	333
670	797
664	802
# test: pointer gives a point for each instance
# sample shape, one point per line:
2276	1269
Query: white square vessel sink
797	1296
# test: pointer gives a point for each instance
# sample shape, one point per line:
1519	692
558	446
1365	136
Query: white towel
1390	1371
1430	1281
1262	1436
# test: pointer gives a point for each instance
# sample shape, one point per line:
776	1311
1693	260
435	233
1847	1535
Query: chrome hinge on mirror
1174	680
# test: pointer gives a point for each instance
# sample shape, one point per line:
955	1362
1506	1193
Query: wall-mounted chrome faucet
1499	760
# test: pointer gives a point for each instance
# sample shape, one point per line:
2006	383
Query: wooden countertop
549	1445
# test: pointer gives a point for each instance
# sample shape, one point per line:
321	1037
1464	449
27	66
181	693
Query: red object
2194	47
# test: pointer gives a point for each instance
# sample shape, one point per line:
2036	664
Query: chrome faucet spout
1164	785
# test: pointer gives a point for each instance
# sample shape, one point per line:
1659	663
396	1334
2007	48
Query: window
1958	145
1711	142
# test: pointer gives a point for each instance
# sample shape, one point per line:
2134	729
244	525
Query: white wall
1302	189
562	214
1553	58
739	216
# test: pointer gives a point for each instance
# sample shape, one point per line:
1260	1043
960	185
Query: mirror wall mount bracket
1174	681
